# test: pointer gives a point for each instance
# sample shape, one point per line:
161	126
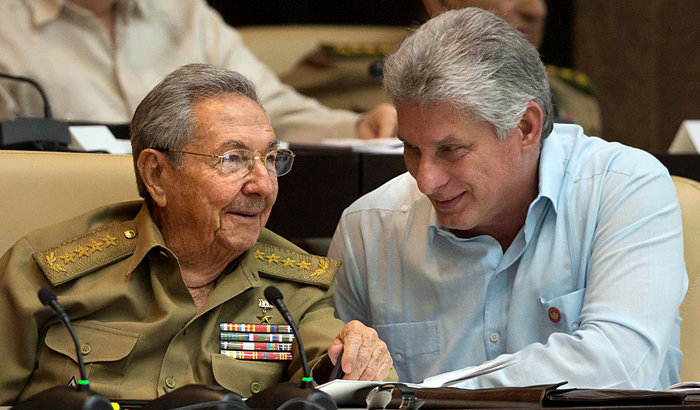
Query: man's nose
430	176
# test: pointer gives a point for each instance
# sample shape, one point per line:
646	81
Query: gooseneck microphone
274	296
288	395
44	98
48	298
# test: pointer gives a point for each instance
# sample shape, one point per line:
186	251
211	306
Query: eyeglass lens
277	162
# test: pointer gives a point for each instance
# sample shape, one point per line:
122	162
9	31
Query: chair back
689	198
41	188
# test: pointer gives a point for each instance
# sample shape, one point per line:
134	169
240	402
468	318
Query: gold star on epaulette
67	258
303	265
273	258
259	255
81	251
95	246
289	262
109	241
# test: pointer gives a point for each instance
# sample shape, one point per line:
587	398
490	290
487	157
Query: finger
334	352
370	343
352	343
377	362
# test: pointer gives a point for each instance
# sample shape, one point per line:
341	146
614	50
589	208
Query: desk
324	182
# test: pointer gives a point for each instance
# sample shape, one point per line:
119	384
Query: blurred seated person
151	285
97	59
572	91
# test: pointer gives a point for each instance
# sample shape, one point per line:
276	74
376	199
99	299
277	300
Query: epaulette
574	78
357	50
88	252
295	266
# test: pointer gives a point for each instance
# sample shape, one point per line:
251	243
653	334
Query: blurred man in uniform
511	237
164	292
97	59
572	91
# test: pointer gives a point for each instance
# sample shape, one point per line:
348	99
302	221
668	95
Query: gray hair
165	117
475	61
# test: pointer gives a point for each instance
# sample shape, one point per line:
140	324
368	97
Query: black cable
300	400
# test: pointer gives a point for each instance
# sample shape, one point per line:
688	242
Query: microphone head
272	294
46	296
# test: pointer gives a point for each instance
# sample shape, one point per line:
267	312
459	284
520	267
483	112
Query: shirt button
494	337
255	387
170	383
574	326
398	357
404	208
85	349
577	178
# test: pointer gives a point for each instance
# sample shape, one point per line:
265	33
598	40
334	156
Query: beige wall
644	58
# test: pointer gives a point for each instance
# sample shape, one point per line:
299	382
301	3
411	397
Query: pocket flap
246	377
98	343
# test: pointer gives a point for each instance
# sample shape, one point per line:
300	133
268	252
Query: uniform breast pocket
246	377
561	314
106	352
414	346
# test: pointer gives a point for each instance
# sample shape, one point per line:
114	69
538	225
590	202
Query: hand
365	356
380	122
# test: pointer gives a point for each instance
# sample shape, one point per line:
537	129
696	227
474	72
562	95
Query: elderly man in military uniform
169	291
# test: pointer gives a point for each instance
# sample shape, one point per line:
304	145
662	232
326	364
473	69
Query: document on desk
371	146
342	390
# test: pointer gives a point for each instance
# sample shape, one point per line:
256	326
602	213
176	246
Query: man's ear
152	165
530	126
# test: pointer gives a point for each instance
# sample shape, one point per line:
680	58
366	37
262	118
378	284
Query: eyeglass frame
262	158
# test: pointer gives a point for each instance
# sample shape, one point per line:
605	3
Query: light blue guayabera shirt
588	292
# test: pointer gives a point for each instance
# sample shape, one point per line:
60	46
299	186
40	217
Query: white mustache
249	205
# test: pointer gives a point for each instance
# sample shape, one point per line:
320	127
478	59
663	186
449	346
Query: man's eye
453	152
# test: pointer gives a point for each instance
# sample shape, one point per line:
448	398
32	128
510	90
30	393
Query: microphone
278	395
62	397
34	133
48	298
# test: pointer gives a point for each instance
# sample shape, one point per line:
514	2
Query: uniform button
574	326
255	387
398	357
170	383
130	234
85	349
494	337
554	314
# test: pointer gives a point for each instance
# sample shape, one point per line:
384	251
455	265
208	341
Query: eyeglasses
240	161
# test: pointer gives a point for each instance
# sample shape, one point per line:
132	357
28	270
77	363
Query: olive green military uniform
136	322
572	93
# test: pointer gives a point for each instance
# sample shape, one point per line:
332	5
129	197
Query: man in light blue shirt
509	235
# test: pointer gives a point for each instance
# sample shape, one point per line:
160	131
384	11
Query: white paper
373	146
687	139
97	138
454	377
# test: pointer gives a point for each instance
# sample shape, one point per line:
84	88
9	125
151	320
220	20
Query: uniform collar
149	237
46	11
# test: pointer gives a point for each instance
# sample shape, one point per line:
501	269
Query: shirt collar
46	11
553	161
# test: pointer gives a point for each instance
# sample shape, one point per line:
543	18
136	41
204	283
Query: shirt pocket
561	314
414	346
106	352
246	377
